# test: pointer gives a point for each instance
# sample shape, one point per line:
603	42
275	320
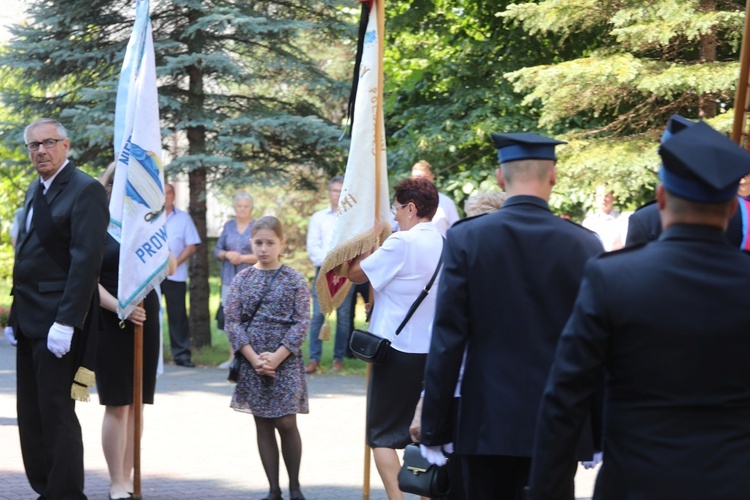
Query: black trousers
179	332
495	477
499	477
51	442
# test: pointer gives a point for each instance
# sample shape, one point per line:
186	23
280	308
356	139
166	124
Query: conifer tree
445	89
653	59
245	91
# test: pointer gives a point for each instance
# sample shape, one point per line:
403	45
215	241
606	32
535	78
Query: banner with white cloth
364	196
137	218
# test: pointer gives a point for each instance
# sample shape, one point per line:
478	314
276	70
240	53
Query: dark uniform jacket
44	292
508	285
669	324
644	225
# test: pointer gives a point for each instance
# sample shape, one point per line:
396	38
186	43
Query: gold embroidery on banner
347	203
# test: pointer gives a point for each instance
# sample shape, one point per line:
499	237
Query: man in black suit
668	324
508	284
58	256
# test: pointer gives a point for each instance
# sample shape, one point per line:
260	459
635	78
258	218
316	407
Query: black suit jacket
508	285
43	292
644	225
669	324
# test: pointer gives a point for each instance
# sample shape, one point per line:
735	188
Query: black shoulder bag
234	366
372	348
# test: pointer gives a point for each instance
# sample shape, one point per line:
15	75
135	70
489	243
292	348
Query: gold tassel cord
325	331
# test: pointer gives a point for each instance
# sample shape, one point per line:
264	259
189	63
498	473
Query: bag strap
422	294
263	295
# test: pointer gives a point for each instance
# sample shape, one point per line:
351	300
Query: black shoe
184	362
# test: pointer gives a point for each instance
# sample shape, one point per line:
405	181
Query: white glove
59	339
590	464
434	454
9	335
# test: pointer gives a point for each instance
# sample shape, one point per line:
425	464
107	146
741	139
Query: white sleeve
315	241
383	265
191	233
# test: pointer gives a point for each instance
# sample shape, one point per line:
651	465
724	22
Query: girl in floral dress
271	383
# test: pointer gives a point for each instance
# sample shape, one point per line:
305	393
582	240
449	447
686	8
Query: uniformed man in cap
667	323
508	284
644	224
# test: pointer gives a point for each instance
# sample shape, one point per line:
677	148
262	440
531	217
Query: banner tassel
325	331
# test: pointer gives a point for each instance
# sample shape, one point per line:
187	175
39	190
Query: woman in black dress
114	365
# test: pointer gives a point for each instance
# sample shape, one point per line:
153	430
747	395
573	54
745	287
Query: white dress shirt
47	184
446	214
319	233
181	232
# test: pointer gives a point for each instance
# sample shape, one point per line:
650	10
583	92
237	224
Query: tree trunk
200	320
707	102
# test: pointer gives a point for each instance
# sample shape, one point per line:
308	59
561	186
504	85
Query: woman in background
234	251
484	202
398	271
267	317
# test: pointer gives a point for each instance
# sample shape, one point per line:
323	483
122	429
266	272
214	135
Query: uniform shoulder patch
622	250
467	219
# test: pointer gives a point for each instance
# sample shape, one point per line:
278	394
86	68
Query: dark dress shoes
184	362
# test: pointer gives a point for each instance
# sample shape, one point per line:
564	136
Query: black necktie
50	236
41	213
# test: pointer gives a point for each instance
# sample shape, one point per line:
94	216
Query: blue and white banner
136	207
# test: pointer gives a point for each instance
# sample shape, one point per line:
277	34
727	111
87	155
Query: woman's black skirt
393	393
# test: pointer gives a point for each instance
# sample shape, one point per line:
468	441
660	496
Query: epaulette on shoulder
622	250
647	204
467	219
577	225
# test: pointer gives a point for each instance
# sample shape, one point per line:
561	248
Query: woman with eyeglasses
398	271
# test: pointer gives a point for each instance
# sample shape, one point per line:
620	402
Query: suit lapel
57	187
59	184
23	236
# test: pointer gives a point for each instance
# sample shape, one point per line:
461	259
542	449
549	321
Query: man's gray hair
45	121
336	180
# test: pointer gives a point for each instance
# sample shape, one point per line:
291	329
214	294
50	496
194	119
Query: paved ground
195	446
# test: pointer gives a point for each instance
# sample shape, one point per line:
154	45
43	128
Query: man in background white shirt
606	221
446	214
318	240
182	237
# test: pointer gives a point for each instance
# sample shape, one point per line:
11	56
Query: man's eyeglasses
47	143
396	208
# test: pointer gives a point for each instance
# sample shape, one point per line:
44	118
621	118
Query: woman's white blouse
398	271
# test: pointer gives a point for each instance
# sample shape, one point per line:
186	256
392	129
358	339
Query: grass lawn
218	351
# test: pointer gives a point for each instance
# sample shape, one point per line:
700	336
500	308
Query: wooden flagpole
366	474
741	97
379	146
137	405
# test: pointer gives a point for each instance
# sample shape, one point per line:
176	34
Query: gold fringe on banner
83	379
337	261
